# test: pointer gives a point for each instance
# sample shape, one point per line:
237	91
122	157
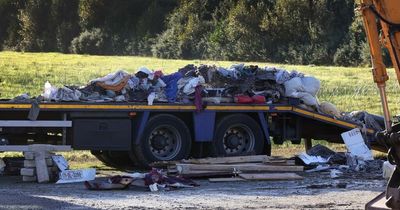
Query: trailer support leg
307	143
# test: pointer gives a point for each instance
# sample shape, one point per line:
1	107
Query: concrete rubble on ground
358	161
205	84
41	164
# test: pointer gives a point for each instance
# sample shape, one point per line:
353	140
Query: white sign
355	144
81	175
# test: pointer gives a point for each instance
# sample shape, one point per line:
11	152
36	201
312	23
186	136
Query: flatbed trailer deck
146	133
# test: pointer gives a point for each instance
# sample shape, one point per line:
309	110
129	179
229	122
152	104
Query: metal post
64	131
308	143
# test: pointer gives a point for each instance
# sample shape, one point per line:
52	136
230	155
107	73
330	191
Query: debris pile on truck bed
238	168
203	85
192	84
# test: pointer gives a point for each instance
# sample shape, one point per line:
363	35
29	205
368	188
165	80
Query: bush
93	42
167	45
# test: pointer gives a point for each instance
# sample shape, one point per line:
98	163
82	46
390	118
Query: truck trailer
123	134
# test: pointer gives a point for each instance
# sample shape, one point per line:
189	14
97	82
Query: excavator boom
382	27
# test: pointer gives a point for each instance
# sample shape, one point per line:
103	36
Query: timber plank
187	168
271	176
230	179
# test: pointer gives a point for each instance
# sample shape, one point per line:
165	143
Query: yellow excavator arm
382	26
385	13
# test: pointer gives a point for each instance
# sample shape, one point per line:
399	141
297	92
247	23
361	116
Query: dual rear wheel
166	137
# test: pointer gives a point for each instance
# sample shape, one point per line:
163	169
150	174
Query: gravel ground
316	191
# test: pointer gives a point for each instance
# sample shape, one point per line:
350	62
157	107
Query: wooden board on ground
271	176
229	179
280	162
198	174
188	168
227	160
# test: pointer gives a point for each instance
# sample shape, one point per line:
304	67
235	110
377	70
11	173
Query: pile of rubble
238	83
206	84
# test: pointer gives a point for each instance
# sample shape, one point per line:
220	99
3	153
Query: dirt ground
316	191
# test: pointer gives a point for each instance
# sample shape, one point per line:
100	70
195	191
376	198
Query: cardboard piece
81	175
356	145
61	162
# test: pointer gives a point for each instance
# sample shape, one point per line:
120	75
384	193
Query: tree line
286	31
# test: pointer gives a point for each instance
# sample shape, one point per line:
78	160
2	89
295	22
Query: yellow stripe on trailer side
133	107
184	107
326	118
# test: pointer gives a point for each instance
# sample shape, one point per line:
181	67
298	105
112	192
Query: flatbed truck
128	134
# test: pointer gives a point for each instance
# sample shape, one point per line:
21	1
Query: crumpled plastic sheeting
364	118
66	94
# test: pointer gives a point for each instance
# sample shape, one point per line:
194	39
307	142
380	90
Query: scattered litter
309	160
155	180
335	173
319	168
356	144
387	169
322	186
114	183
80	175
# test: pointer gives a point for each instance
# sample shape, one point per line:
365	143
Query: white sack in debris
329	108
60	94
355	144
112	78
189	84
305	88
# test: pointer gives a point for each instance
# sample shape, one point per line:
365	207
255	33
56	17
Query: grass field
349	88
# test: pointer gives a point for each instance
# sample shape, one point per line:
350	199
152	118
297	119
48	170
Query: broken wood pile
256	167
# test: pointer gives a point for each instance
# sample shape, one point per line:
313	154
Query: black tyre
237	135
165	137
116	159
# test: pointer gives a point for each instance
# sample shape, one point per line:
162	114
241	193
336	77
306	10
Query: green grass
349	88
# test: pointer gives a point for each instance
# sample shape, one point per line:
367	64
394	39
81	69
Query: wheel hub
159	142
238	139
165	142
232	141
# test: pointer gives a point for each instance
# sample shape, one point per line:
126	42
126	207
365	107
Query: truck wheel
116	159
237	135
165	137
